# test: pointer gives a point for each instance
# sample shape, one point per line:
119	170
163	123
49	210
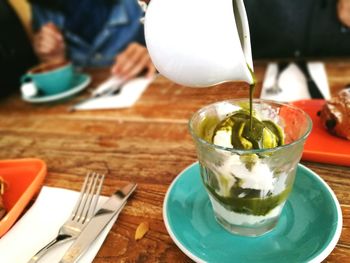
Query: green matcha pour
247	131
242	38
251	93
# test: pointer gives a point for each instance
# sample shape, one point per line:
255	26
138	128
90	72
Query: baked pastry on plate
335	114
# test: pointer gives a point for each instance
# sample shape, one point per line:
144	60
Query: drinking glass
248	188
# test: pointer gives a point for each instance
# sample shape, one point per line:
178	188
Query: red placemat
321	146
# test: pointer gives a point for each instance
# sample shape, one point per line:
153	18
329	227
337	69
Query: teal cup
51	78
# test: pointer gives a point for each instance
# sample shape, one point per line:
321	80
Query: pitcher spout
242	26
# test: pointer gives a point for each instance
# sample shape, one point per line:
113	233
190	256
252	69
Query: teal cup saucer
80	82
307	231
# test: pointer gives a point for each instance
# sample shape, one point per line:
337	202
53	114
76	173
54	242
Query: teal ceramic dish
79	83
51	79
307	231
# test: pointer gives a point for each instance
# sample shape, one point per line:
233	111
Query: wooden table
149	144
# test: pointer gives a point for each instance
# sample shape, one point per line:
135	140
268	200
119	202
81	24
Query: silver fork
275	88
81	214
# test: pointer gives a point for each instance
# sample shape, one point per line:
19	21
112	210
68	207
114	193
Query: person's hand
49	44
343	8
132	61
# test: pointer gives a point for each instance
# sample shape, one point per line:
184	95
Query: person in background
16	53
92	33
343	9
299	29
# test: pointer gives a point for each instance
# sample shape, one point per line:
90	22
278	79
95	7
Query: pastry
335	114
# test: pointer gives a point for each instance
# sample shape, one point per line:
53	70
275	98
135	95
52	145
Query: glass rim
251	151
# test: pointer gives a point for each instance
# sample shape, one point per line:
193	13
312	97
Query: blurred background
281	30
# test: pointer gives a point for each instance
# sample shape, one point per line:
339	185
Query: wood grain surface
149	144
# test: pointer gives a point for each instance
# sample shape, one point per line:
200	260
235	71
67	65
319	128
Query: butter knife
94	228
313	89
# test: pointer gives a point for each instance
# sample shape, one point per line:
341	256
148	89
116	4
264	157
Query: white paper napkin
293	83
40	224
127	97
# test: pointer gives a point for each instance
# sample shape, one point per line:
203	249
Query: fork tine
91	177
95	196
81	196
89	197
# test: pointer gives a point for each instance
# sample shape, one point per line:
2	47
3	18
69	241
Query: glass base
252	231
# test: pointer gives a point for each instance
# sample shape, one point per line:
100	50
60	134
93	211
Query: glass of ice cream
248	165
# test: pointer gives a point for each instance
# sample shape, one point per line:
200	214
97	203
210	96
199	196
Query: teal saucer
80	82
307	231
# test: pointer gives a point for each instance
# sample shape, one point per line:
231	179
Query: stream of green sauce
251	93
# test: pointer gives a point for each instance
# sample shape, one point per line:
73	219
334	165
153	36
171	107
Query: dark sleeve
39	16
296	29
16	53
328	37
278	27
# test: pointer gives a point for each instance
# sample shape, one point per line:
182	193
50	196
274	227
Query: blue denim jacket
122	27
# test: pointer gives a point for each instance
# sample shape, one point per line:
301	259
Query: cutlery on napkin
274	87
39	225
294	83
108	210
105	98
110	86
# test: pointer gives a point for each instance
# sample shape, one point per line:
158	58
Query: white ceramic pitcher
199	42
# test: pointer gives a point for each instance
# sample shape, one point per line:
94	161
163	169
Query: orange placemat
321	146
